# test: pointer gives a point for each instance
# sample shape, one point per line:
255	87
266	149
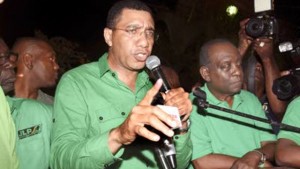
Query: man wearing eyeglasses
36	68
7	62
101	109
8	158
32	119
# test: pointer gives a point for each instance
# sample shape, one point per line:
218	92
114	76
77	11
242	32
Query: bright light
1	1
231	10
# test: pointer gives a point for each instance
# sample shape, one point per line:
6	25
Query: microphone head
152	62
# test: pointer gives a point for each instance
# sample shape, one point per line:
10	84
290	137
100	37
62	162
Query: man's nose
237	70
56	66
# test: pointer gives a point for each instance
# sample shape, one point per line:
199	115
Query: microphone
288	46
153	64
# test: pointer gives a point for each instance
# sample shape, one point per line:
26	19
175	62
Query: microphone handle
161	157
158	74
170	152
168	148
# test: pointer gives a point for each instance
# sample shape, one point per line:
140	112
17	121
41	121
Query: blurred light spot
231	10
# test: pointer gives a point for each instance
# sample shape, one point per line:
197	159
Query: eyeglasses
7	55
134	32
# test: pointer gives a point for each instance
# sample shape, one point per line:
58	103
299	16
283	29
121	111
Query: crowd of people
104	114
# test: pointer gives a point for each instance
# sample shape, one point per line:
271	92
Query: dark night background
183	26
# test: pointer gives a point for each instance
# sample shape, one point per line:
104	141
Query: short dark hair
26	44
204	58
116	10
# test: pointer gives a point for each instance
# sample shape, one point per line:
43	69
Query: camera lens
255	27
286	87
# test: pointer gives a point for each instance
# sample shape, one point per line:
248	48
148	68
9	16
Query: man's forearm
271	73
214	161
113	141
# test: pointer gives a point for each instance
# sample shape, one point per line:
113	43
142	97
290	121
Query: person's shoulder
295	103
35	104
246	94
83	69
24	105
249	98
81	72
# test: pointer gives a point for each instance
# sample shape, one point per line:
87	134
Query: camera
288	86
261	26
290	46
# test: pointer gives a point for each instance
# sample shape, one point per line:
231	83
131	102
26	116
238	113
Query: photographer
260	81
288	144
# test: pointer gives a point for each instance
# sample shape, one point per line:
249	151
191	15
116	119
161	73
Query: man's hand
180	99
248	161
264	48
141	115
244	40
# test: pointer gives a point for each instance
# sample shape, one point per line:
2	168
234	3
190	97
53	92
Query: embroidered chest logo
31	131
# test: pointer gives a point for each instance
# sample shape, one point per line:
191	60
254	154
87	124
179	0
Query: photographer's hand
244	40
264	48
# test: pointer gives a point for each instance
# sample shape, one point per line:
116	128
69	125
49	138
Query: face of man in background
7	65
45	68
225	71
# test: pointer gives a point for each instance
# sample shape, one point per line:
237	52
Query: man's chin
236	90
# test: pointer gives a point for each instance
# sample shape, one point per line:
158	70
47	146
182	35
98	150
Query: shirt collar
237	99
104	67
103	64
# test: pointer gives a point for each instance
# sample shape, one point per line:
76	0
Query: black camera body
288	86
262	25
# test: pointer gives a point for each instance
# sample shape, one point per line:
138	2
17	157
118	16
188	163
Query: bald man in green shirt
220	139
101	108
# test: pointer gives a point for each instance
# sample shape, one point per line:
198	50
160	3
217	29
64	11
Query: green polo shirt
214	131
33	121
291	117
8	157
90	100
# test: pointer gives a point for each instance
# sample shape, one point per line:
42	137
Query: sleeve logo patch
31	131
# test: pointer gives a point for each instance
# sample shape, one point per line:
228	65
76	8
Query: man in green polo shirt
223	140
32	119
288	144
101	109
33	122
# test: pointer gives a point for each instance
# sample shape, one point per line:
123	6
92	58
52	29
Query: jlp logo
29	131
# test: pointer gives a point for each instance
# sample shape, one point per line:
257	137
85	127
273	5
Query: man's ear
108	36
27	60
204	72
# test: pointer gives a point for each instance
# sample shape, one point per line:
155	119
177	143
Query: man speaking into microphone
103	109
222	140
